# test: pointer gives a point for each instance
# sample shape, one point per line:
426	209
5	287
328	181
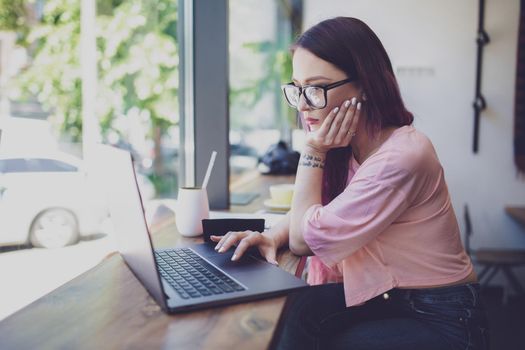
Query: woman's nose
302	105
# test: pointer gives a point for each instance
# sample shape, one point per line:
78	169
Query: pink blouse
393	225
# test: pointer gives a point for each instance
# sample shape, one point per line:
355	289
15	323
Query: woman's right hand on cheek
245	239
337	129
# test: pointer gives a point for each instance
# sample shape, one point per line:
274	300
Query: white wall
437	39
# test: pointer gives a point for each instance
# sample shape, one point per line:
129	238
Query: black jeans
437	318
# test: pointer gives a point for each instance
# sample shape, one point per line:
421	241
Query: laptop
182	278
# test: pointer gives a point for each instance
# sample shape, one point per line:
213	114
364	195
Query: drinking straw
208	171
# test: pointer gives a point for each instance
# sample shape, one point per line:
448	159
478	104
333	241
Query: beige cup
192	207
281	194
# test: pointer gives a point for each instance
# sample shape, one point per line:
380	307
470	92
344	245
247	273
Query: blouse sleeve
359	214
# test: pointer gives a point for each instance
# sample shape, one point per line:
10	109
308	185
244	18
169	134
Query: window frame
204	96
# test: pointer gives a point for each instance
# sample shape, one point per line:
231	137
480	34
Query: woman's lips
311	121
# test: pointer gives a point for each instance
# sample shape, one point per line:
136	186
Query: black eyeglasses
315	96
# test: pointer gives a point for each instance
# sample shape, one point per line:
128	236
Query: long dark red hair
350	45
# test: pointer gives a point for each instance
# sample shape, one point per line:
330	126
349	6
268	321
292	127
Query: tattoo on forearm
312	161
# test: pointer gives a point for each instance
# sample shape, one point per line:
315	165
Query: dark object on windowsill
279	159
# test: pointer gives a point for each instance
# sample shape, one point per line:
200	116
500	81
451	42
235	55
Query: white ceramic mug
192	207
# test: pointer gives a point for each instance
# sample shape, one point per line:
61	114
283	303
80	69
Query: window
260	36
50	165
13	166
20	165
134	86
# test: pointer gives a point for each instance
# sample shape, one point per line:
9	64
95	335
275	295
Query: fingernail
347	103
221	250
359	106
336	109
354	100
234	257
217	247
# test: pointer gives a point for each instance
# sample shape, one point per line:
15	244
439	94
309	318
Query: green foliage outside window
13	17
277	70
137	63
277	65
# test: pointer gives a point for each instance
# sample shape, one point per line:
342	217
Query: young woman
371	207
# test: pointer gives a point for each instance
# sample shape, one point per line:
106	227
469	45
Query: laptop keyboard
191	276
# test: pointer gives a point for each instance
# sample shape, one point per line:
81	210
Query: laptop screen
114	169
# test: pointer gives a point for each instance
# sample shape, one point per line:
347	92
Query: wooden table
517	213
107	308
